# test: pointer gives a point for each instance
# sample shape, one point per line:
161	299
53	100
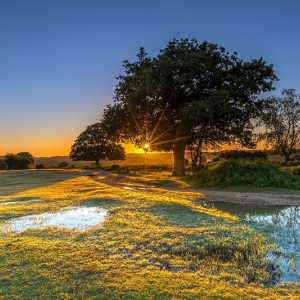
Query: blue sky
59	58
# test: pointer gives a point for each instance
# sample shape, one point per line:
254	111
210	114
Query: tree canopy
189	89
94	144
19	161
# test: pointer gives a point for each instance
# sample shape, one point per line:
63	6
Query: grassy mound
238	172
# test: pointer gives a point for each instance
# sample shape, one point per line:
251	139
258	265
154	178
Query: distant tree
162	100
282	121
19	161
95	144
3	165
27	157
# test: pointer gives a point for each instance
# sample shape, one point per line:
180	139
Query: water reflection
80	218
281	224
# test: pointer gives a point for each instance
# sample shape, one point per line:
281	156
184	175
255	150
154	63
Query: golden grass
136	254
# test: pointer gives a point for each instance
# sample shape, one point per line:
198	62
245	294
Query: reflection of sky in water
281	225
80	218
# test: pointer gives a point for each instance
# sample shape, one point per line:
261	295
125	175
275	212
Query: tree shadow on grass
18	181
103	202
183	216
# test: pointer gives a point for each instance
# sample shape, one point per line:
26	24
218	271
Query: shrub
293	169
115	167
40	166
246	172
18	161
63	164
243	155
3	165
293	163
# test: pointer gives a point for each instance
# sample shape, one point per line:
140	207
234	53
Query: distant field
164	158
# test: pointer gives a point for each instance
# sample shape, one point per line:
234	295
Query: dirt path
267	198
250	198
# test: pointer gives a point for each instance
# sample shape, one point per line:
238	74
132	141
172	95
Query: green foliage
94	143
3	165
22	160
190	90
293	169
233	154
257	173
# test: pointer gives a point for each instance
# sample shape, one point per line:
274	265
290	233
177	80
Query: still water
281	224
79	218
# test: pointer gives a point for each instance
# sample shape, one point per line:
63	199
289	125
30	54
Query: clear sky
59	58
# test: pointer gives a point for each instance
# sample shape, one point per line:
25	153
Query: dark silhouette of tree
19	161
95	144
162	100
27	157
282	120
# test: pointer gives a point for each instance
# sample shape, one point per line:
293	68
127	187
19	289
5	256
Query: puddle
79	218
281	225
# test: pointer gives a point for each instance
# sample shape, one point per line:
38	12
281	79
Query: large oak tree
168	100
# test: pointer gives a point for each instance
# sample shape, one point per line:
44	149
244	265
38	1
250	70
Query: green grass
14	181
243	173
156	244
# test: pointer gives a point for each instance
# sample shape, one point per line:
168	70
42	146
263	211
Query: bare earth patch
268	198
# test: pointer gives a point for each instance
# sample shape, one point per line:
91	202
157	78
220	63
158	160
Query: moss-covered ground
157	243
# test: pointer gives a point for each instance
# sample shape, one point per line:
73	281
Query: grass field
157	243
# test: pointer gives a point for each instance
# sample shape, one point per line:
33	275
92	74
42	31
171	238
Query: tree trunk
200	154
286	158
97	161
178	154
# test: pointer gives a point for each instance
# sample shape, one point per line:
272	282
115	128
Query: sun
146	147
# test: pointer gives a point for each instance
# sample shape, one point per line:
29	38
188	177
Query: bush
40	166
243	155
3	165
246	172
293	163
293	170
18	161
63	164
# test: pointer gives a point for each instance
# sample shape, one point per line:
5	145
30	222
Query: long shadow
18	181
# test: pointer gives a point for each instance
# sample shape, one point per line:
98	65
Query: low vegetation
155	245
256	173
19	161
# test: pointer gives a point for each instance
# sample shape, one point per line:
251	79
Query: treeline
19	161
